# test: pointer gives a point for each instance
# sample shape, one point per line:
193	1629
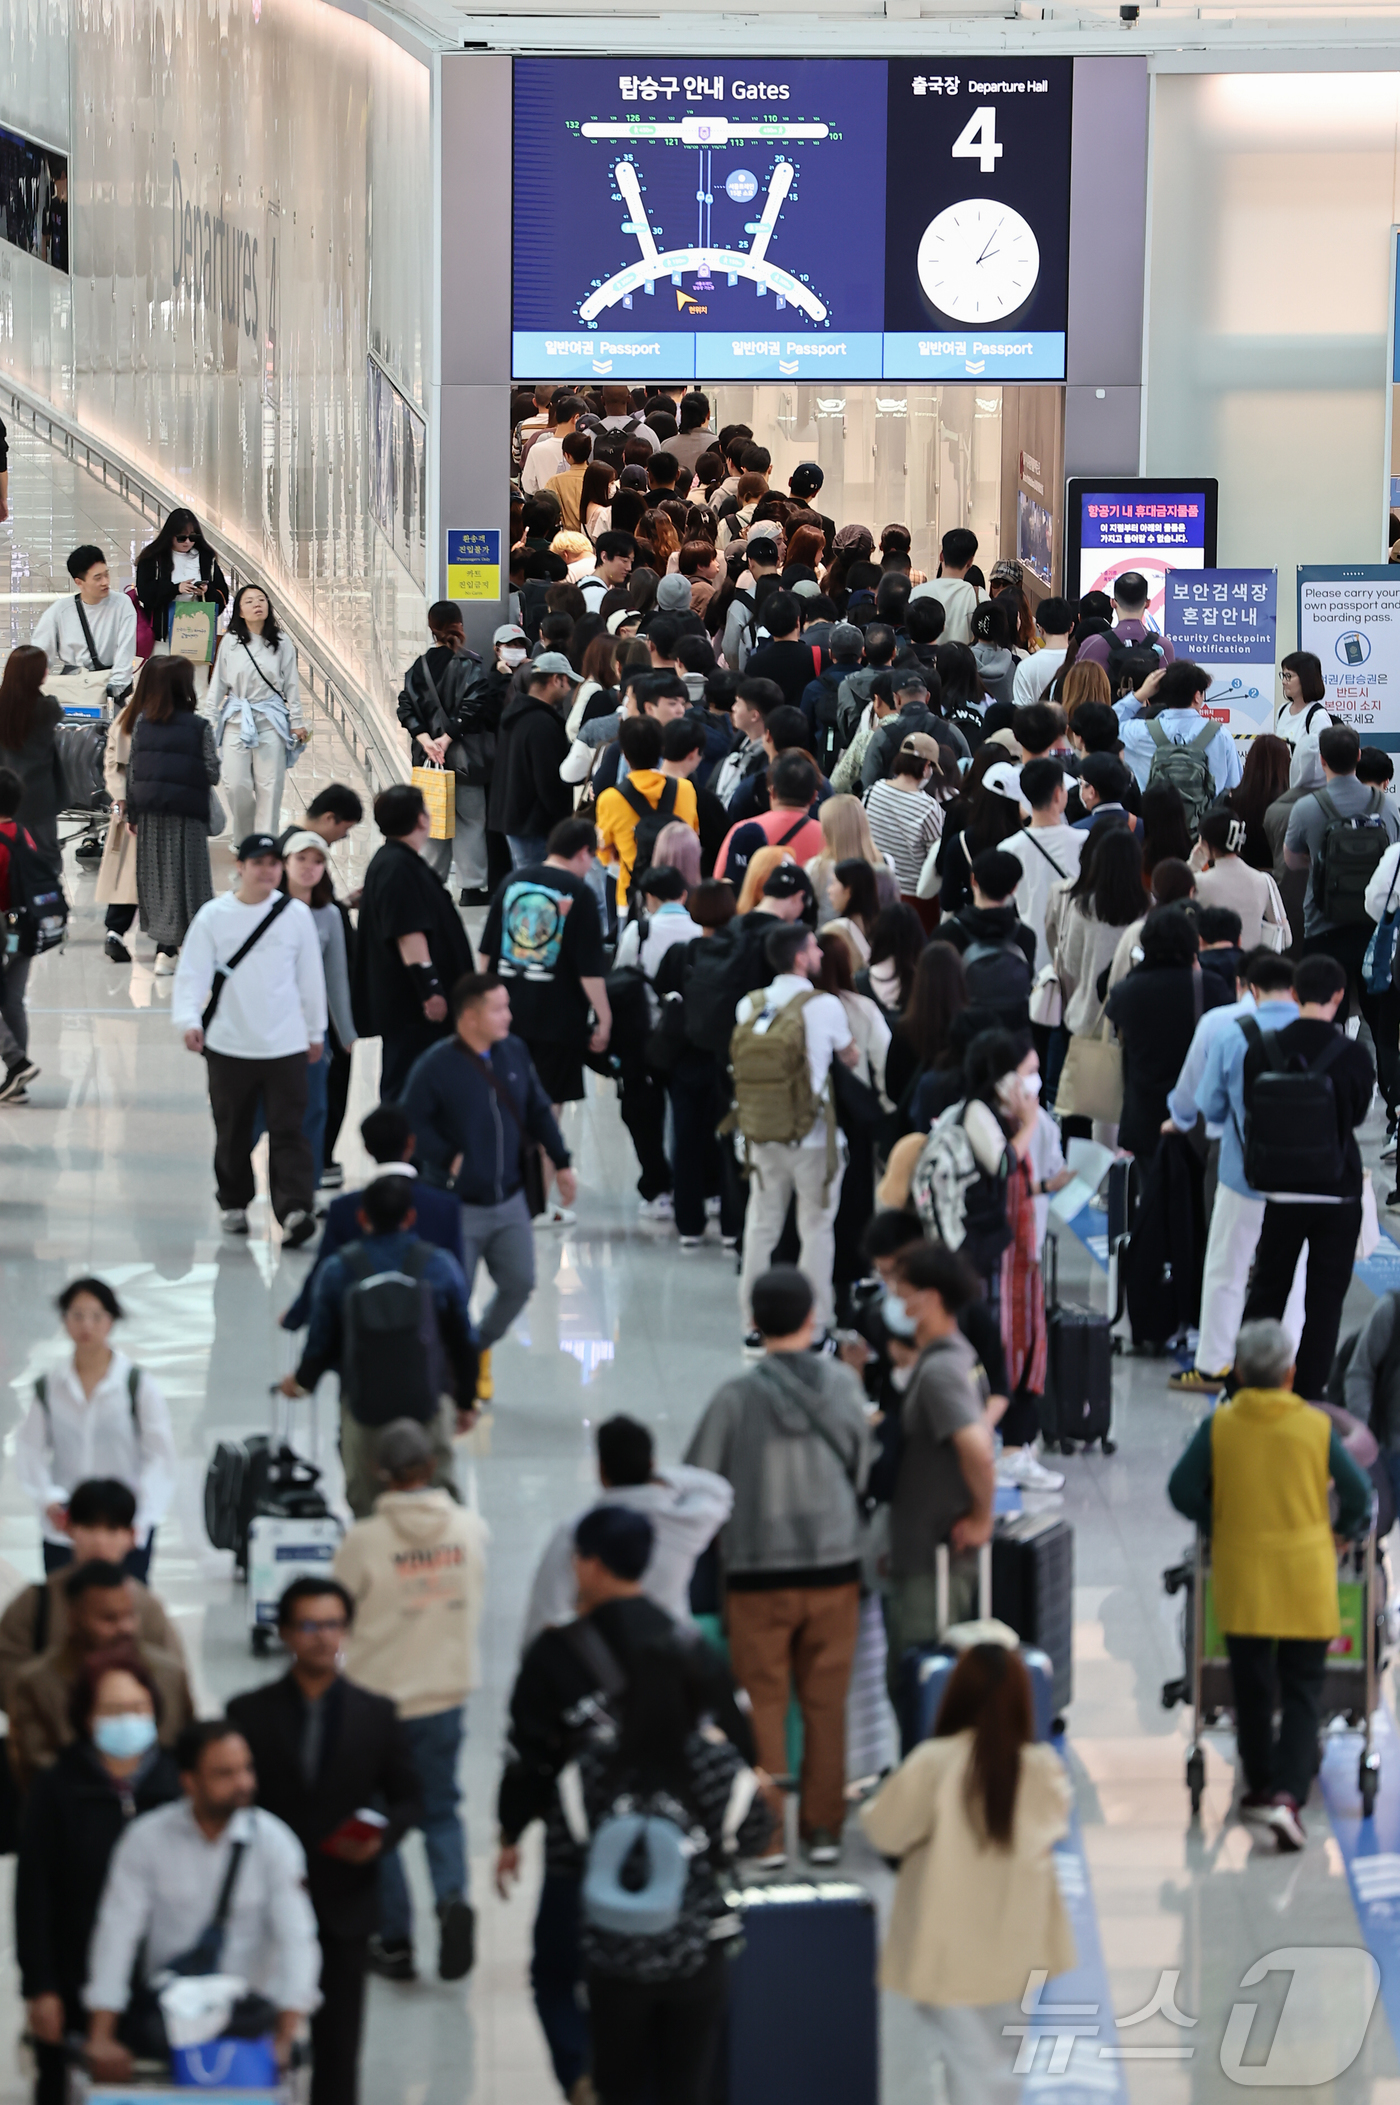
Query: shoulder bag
531	1162
221	972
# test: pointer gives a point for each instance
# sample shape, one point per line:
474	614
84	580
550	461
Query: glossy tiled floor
108	1169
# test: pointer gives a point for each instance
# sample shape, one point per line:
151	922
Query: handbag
218	817
1091	1080
191	629
1378	965
531	1160
1047	1003
439	789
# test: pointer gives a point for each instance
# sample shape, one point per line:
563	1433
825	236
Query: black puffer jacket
168	772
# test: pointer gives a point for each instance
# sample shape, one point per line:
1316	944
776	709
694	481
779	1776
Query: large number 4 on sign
977	141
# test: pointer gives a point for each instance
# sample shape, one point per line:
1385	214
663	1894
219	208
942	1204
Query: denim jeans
526	848
436	1743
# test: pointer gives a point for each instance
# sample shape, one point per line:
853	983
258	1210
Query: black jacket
156	589
467	698
167	773
1153	1011
988	924
365	1760
527	796
454	1111
73	1820
557	1703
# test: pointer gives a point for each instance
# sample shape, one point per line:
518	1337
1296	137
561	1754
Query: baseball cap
1010	569
508	633
921	743
555	661
304	839
633	477
255	844
766	530
907	678
1003	779
804	588
846	640
786	881
673	594
806	479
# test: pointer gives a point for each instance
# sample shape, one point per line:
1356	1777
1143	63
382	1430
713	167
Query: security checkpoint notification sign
473	562
1227	622
1349	615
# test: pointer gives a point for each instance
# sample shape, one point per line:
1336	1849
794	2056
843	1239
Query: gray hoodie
998	670
686	1507
795	1490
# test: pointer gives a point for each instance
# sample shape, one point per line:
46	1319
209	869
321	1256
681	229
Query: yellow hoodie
416	1569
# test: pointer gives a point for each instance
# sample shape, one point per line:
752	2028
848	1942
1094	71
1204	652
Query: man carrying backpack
1130	632
822	696
998	949
1170	743
1339	834
632	816
1305	1091
390	1313
784	1042
565	1696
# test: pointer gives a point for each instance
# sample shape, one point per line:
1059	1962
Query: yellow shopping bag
439	787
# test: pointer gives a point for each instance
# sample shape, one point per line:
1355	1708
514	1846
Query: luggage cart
1349	1689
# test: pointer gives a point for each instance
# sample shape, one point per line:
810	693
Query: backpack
999	978
830	743
391	1363
1349	857
1291	1141
1186	768
851	702
727	966
749	632
37	919
1119	648
773	1095
955	1198
650	820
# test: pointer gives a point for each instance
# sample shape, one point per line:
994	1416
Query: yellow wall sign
473	562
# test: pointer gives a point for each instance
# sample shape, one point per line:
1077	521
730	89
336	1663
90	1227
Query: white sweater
274	1003
113	623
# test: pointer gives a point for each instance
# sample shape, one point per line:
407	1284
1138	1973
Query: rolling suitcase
803	2020
1078	1405
1033	1590
926	1670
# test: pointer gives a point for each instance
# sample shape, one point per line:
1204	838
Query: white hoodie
417	1572
687	1507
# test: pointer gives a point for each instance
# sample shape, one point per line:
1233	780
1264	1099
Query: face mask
1030	1085
129	1734
512	656
896	1317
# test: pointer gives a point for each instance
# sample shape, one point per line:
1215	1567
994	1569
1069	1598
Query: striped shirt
904	824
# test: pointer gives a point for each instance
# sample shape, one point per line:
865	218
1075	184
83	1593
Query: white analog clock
978	261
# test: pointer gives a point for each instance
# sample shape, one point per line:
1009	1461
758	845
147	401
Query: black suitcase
1033	1590
803	2026
81	747
255	1476
1078	1404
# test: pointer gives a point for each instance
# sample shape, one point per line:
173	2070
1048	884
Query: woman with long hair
28	747
1165	831
255	704
655	2027
922	1036
1081	683
657	539
178	564
855	896
1104	898
762	864
853	545
982	815
1024	637
173	765
595	499
1265	778
597	685
1155	1011
973	1816
641	589
870	1034
896	943
963	697
845	834
805	549
678	848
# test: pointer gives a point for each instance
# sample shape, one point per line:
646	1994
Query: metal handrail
347	703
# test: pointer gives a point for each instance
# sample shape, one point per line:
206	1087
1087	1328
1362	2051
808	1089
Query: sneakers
478	897
1255	1804
21	1096
776	1860
457	1939
116	950
164	964
823	1848
392	1962
729	1242
17	1079
556	1216
661	1208
485	1382
1020	1466
332	1177
1282	1817
298	1228
234	1220
1191	1382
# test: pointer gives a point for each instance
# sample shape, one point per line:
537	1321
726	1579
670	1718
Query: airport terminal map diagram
703	196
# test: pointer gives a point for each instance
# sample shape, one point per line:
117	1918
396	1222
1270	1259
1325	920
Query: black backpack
37	919
650	820
830	743
727	966
1120	648
1291	1139
1350	853
999	978
392	1363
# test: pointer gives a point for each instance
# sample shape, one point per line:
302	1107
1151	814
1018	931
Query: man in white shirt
1034	674
1048	850
808	1170
163	1885
613	557
546	456
269	1022
957	553
106	624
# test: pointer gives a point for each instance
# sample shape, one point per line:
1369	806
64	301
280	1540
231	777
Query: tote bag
194	625
1091	1081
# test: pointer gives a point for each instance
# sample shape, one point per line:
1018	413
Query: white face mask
1030	1084
512	655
